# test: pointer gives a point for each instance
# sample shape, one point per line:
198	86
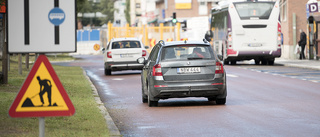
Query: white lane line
231	75
118	79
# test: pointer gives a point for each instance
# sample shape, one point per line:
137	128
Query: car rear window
187	52
125	44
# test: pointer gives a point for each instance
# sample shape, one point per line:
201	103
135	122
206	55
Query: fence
86	39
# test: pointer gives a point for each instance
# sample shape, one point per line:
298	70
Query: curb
113	129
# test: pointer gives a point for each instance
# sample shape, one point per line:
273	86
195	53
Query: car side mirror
141	60
146	47
103	50
220	57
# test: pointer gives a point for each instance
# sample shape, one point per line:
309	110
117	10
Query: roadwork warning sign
42	94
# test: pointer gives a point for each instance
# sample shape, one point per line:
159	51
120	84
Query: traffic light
174	17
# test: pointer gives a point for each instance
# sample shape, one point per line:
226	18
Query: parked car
183	69
122	53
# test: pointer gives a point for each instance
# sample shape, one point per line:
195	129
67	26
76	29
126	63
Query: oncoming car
182	69
122	53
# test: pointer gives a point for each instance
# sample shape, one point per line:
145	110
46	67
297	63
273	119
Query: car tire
151	103
107	71
144	96
221	101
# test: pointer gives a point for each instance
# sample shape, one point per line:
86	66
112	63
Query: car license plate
255	45
126	55
189	70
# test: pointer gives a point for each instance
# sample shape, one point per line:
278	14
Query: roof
172	43
123	39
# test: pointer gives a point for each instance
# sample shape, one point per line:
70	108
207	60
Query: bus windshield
256	10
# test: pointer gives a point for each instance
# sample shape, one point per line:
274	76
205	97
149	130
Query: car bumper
123	65
163	90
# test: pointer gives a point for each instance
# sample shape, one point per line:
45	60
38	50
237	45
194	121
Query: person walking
45	87
302	43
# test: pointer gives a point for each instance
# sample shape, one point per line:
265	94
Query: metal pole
41	126
5	55
20	63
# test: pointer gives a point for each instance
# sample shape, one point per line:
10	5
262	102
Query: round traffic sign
56	16
96	47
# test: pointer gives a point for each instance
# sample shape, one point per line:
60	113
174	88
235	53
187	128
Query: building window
137	5
283	10
203	9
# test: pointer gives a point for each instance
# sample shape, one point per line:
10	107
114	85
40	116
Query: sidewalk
310	64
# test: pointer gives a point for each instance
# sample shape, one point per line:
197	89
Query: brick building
293	16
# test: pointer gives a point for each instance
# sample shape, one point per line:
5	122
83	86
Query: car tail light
109	54
219	67
144	53
157	70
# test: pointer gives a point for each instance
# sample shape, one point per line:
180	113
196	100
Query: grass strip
87	121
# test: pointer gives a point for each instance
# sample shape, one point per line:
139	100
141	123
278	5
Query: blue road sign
56	16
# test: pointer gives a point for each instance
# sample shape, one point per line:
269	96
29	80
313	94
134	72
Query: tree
107	8
83	6
127	11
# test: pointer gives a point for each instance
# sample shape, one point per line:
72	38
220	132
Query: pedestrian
45	87
208	36
302	43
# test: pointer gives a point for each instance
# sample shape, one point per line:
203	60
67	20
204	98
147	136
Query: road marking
118	79
231	75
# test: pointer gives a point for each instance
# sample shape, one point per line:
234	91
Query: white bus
245	30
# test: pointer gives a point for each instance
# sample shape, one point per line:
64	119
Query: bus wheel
233	62
226	62
271	62
257	61
264	62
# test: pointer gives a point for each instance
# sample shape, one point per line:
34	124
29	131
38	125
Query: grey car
182	69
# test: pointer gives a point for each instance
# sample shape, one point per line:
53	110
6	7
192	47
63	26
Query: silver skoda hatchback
182	69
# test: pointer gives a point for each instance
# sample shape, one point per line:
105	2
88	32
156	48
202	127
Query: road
262	101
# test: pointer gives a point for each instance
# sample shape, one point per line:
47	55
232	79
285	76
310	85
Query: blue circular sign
56	16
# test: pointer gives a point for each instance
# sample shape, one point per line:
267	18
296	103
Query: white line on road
231	75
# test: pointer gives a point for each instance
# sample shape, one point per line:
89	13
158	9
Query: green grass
87	120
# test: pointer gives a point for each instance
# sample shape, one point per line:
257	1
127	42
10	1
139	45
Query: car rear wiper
193	58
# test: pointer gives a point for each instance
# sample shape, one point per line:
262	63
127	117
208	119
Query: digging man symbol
45	87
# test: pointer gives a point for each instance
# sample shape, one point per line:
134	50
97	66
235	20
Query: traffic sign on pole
38	26
42	94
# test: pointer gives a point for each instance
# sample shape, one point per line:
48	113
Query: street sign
42	94
39	26
313	7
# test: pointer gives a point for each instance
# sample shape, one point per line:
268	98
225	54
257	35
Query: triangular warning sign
42	94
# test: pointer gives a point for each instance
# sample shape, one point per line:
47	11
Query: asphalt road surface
262	101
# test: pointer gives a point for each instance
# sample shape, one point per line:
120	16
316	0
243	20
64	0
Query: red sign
42	94
3	8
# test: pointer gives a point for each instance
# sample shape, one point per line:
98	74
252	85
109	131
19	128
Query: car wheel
151	103
221	101
107	71
144	96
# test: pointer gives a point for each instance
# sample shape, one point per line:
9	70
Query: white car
122	54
